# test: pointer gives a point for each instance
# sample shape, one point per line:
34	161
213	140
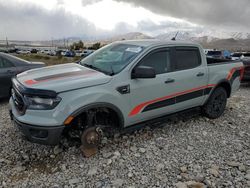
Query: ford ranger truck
122	85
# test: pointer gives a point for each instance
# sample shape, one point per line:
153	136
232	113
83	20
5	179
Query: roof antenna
174	38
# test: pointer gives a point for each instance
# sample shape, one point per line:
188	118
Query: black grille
18	101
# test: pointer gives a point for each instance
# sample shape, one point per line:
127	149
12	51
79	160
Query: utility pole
7	43
52	43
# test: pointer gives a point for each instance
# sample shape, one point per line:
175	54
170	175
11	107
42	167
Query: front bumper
39	134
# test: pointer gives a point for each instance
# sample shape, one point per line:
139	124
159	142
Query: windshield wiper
94	68
112	73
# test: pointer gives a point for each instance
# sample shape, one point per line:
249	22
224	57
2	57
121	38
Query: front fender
75	102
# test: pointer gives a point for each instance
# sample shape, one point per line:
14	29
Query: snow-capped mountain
129	36
204	35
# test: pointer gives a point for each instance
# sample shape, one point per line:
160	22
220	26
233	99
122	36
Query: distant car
226	54
51	53
10	66
87	53
79	53
246	75
69	54
23	52
215	54
246	56
237	56
34	51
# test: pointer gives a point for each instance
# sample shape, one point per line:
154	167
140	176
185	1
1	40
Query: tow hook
90	139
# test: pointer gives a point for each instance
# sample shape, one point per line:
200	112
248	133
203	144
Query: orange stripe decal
233	70
30	82
139	108
229	76
59	76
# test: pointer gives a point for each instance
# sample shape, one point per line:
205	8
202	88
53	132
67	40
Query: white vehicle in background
23	52
51	53
63	52
87	53
79	53
237	56
246	56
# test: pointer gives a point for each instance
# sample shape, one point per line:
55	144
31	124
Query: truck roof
155	42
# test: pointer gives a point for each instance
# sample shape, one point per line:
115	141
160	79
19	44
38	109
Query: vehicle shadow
142	130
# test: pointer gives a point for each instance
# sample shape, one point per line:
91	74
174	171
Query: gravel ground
191	152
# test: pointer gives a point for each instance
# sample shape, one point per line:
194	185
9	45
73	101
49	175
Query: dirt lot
184	153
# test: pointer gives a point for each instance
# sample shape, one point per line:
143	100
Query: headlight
39	103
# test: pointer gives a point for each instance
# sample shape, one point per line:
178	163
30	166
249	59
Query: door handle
200	74
170	80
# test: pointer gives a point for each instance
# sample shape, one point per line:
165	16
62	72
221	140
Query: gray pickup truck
120	86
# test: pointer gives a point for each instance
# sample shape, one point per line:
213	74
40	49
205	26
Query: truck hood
61	78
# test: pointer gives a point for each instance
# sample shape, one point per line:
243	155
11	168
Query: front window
112	58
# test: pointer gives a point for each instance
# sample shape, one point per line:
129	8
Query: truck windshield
112	58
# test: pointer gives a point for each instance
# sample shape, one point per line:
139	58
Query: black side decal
177	99
207	91
160	104
189	96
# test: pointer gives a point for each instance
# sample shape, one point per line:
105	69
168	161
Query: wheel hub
90	139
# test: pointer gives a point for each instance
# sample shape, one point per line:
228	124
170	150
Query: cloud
60	2
232	14
152	28
27	21
89	2
30	22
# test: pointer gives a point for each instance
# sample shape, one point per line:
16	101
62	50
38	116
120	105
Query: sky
47	19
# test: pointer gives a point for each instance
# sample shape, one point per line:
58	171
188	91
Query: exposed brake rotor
91	138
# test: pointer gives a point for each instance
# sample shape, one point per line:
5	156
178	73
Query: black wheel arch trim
223	81
101	105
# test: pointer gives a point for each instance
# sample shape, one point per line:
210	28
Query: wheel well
226	86
103	113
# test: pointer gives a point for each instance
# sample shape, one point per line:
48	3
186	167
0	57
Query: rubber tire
216	104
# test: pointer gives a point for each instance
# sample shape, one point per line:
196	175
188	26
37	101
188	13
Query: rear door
191	78
180	84
7	71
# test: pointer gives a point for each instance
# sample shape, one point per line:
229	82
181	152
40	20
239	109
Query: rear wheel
216	104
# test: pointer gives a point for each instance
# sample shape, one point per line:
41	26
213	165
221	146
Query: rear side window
187	58
159	60
4	63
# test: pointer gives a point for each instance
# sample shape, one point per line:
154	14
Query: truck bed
211	61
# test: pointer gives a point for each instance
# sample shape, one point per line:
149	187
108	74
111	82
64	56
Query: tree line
80	46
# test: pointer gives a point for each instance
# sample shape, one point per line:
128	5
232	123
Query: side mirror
143	72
